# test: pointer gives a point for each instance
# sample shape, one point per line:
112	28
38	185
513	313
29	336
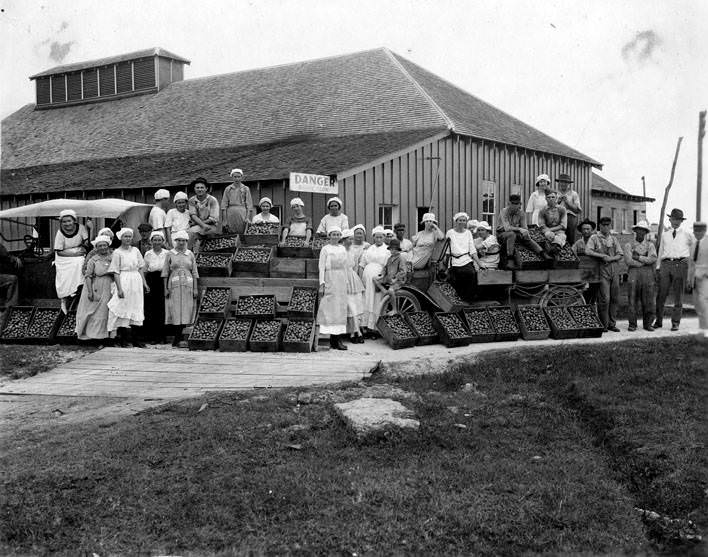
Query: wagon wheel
405	303
565	295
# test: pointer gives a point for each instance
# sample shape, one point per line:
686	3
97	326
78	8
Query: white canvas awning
111	208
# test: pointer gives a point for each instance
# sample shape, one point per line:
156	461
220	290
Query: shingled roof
603	186
372	93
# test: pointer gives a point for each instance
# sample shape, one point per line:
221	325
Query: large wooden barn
380	125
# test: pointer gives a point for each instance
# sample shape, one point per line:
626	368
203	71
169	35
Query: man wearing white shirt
698	275
158	213
674	252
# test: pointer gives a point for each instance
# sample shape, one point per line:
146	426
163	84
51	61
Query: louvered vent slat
73	81
124	77
144	71
90	84
107	81
43	91
58	89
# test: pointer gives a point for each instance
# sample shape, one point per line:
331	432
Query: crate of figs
586	317
479	324
205	333
261	306
44	325
533	323
216	302
67	330
422	324
446	297
222	244
303	302
566	258
451	329
265	335
318	243
214	264
234	335
16	323
265	233
252	260
529	260
295	246
505	325
300	336
562	323
396	331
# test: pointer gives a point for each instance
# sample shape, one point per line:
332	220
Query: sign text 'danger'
313	183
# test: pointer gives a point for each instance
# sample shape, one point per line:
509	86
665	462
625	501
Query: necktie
674	233
695	252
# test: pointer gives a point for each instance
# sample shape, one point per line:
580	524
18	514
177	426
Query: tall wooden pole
699	172
666	196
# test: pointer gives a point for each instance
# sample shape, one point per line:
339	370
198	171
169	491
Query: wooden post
699	172
644	189
660	232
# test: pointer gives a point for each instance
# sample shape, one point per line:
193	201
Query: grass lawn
546	453
20	361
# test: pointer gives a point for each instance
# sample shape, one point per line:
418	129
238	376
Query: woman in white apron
355	290
537	200
371	265
298	225
70	248
332	313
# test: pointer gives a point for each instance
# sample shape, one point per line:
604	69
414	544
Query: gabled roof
603	186
373	93
156	51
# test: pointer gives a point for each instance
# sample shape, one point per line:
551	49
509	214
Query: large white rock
369	415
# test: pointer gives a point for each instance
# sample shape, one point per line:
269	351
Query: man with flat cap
570	201
674	253
605	247
640	256
513	230
698	275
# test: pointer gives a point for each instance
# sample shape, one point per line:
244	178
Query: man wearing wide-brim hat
698	275
570	201
674	253
640	256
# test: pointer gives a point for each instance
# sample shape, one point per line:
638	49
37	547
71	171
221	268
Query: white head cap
484	225
180	235
106	232
336	200
428	217
161	194
378	230
542	177
157	233
460	215
265	200
100	238
389	232
236	171
642	224
123	231
67	213
296	201
358	227
180	195
333	228
347	233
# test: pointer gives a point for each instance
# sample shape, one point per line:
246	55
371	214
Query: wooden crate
221	270
301	252
309	313
445	336
425	337
301	346
503	312
557	331
12	315
251	239
252	266
570	261
594	331
531	277
54	318
530	260
440	293
234	344
477	335
224	312
392	339
201	343
225	243
312	269
66	333
282	267
269	345
532	334
494	277
567	276
240	312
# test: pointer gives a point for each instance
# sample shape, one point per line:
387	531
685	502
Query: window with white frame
488	191
388	215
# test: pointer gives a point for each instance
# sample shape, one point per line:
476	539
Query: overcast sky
619	80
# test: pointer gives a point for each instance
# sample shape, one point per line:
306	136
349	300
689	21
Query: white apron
69	275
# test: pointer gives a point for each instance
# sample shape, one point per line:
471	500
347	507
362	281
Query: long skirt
355	302
128	310
154	325
332	313
92	316
180	306
372	295
236	218
69	275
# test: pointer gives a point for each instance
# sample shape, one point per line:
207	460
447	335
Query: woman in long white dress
335	217
425	240
355	290
70	247
371	267
332	313
126	306
265	215
537	200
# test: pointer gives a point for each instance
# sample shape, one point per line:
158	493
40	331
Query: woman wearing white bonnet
537	200
180	282
236	204
92	311
332	313
265	216
335	217
425	240
70	248
154	325
298	224
371	265
177	217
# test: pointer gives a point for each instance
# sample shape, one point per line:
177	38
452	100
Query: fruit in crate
503	320
303	299
213	260
298	331
566	254
68	326
205	329
216	244
561	318
263	228
423	323
450	293
17	323
479	322
215	300
533	318
295	242
528	256
318	243
265	331
453	325
252	255
43	322
398	325
235	329
585	316
256	305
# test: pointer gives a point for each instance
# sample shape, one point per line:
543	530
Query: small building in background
624	208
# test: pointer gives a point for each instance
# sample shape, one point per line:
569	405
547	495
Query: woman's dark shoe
339	343
357	339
